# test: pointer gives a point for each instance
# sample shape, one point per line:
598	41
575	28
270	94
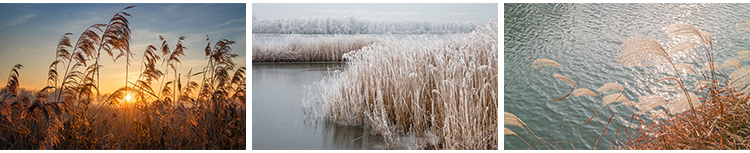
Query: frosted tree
351	25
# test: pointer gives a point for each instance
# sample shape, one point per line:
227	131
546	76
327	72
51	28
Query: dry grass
350	25
711	127
542	62
310	49
441	92
68	114
720	123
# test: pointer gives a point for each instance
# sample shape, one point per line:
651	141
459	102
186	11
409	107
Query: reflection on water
278	119
339	136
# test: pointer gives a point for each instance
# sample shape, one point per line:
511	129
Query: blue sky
29	34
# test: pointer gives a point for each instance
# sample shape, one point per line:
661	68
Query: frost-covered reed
441	92
309	49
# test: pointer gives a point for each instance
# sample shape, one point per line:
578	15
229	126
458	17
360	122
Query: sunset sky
29	34
440	12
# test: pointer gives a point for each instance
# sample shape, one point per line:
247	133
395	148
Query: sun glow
127	97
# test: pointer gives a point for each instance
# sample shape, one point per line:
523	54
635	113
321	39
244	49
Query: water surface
279	122
585	39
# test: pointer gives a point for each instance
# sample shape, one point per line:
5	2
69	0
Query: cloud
229	22
172	9
21	19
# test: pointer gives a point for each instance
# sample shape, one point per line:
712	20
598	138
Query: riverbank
295	48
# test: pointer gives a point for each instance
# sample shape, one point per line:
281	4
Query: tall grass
350	25
440	92
309	49
719	123
70	114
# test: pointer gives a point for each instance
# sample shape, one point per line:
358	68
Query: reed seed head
543	62
584	92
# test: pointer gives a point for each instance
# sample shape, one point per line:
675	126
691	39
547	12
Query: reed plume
584	92
610	87
116	36
683	67
170	61
744	29
511	119
238	80
639	49
744	54
509	132
149	59
681	48
642	51
566	79
680	103
542	62
11	87
148	75
612	98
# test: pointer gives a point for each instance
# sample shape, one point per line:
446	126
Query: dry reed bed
722	122
214	118
207	113
710	127
350	25
309	49
441	92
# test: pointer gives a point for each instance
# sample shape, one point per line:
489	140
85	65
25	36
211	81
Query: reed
718	124
609	118
712	114
350	25
70	113
310	49
441	92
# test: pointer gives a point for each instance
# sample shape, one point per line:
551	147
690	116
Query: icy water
279	122
585	39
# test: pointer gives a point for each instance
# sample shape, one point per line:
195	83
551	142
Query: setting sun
127	98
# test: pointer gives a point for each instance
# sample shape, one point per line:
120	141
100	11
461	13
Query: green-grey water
585	39
279	122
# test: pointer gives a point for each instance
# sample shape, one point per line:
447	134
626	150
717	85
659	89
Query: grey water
279	122
586	39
